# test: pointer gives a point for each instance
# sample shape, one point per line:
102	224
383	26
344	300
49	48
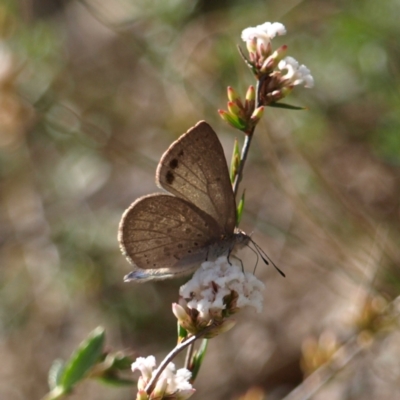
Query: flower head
217	290
277	85
145	366
258	41
171	384
296	74
264	61
263	33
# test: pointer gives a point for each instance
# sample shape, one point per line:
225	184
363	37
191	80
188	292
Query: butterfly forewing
194	168
165	234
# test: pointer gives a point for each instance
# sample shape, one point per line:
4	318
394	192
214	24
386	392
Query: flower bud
234	109
257	114
251	93
232	94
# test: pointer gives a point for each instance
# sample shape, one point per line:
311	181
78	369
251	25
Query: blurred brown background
92	92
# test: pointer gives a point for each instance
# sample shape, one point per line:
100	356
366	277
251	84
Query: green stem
246	146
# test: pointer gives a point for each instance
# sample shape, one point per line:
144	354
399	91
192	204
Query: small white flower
263	33
296	74
145	366
178	380
213	281
175	382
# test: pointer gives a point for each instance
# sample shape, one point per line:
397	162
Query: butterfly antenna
265	257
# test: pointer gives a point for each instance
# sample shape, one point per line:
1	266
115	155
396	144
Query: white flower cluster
213	281
263	33
171	384
258	42
296	73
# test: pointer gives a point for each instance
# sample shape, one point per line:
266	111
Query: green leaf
235	162
286	106
198	359
83	359
240	208
55	373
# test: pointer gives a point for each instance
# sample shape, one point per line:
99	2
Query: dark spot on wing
180	154
188	230
173	163
169	177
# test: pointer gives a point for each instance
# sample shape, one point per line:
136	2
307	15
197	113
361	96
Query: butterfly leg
237	258
228	256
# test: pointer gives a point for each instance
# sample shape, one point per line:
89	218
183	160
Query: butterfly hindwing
162	234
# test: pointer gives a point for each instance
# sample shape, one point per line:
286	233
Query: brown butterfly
166	235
